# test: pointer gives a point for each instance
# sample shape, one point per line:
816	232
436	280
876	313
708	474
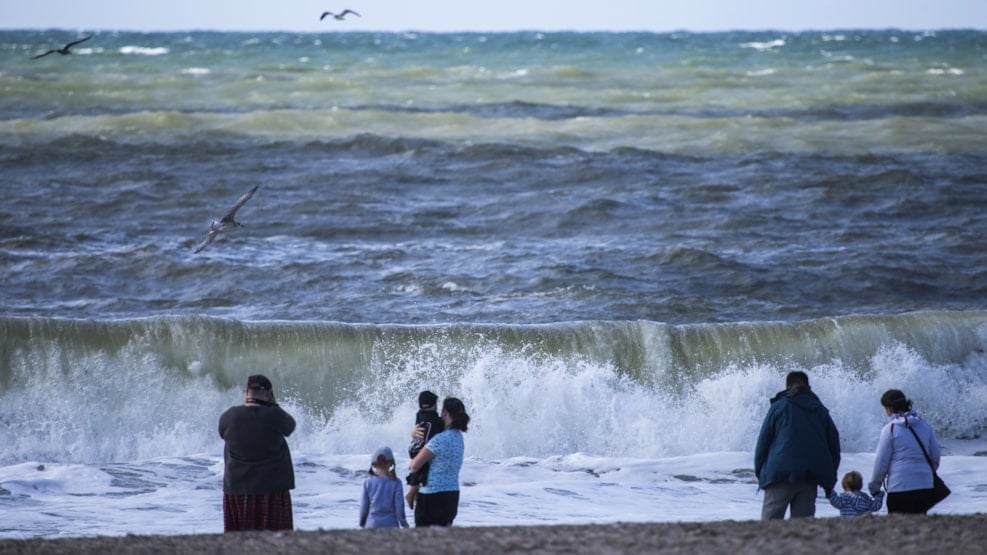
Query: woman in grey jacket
899	460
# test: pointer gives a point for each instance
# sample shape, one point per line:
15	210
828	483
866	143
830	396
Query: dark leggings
914	502
436	509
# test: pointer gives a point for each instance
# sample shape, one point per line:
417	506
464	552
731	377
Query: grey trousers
779	497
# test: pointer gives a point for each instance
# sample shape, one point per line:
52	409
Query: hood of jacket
905	418
800	395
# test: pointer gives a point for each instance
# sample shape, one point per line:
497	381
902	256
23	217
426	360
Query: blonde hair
853	481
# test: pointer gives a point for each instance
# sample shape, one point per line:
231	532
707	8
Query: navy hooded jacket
798	442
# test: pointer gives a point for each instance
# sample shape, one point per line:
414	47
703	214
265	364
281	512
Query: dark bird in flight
226	223
339	15
63	50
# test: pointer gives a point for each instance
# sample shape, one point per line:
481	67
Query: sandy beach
873	534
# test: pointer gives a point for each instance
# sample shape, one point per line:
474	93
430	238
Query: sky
502	15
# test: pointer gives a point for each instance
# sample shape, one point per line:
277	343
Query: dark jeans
436	509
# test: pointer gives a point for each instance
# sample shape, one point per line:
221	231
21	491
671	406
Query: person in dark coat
798	450
258	473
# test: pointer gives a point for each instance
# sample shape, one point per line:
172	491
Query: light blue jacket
899	458
382	504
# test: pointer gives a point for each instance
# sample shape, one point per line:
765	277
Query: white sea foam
184	495
144	50
552	439
533	392
765	45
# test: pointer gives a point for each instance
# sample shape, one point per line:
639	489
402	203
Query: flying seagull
339	15
63	50
226	223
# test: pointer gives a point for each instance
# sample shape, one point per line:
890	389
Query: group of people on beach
798	451
436	454
259	475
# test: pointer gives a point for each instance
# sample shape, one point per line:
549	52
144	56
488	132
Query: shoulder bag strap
922	447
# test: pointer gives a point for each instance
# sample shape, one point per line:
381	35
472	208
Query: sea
611	246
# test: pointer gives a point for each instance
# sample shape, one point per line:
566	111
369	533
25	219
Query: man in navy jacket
797	450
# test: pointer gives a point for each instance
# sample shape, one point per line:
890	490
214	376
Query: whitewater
110	427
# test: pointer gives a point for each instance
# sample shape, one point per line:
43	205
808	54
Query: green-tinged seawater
848	91
496	178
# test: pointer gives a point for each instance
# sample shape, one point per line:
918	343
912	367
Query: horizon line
503	31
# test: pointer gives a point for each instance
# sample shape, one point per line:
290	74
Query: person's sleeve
222	425
835	500
877	502
882	459
764	439
364	505
287	423
833	438
399	505
934	453
434	428
437	444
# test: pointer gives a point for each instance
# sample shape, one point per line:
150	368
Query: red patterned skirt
271	511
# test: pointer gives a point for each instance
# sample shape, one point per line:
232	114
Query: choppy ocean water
611	246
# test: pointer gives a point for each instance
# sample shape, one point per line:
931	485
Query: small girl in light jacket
855	502
382	504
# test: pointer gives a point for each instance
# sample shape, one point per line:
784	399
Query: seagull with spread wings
227	222
339	15
63	50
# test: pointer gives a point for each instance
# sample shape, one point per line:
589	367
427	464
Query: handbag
940	490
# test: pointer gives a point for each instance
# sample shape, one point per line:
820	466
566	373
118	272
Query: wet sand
870	534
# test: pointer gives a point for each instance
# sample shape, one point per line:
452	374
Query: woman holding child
901	457
438	500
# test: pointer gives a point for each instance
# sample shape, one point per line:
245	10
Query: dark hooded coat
798	442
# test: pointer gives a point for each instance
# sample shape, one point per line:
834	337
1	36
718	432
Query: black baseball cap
259	382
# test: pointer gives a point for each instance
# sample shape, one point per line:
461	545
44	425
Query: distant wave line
946	109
